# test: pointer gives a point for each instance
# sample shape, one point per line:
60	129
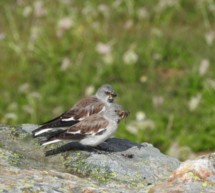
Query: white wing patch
49	142
74	132
42	131
94	133
90	133
69	119
102	110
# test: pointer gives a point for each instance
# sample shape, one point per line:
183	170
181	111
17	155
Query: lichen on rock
118	165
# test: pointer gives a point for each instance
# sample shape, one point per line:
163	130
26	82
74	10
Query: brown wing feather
91	124
84	108
95	123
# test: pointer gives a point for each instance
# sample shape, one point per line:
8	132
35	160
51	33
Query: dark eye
107	93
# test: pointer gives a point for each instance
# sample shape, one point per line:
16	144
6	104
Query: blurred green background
158	55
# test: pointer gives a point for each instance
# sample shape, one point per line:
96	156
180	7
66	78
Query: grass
50	53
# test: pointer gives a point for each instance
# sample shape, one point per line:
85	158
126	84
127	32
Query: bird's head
106	93
116	112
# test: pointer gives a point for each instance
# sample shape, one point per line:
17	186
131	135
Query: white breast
94	140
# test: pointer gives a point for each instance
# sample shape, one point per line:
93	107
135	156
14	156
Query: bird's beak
114	94
124	114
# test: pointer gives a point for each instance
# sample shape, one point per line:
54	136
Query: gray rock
117	166
124	161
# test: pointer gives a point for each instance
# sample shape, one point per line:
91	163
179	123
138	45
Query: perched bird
82	109
94	129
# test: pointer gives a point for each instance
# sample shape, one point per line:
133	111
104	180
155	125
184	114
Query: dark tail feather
56	124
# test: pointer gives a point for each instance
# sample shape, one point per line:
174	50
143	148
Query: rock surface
192	176
116	166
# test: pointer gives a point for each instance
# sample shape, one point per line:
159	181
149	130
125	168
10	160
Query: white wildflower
104	9
34	34
132	128
39	9
135	126
156	56
180	152
28	109
65	64
194	102
143	78
157	32
12	106
89	90
96	26
11	116
24	88
108	58
210	83
20	2
143	13
157	101
35	95
140	116
129	24
27	11
2	36
117	3
103	48
87	11
203	67
35	31
130	57
164	4
63	25
211	6
209	37
66	2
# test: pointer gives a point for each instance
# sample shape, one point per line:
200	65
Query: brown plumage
81	110
93	130
82	129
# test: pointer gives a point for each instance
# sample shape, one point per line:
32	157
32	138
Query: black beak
113	95
124	114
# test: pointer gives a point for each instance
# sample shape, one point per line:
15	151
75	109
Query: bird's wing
81	110
93	125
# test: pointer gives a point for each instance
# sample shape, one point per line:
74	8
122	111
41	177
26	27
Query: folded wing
93	125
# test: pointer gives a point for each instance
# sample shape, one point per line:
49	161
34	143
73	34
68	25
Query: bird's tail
40	131
52	138
52	127
47	142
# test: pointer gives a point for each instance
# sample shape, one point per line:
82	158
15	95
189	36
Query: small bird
94	129
82	109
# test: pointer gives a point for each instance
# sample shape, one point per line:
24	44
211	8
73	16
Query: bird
84	108
94	129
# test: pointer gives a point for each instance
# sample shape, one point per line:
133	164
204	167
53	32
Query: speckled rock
192	176
117	166
124	161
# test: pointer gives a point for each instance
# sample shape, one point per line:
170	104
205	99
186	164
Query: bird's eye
107	93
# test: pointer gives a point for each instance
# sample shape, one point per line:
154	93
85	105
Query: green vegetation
158	55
